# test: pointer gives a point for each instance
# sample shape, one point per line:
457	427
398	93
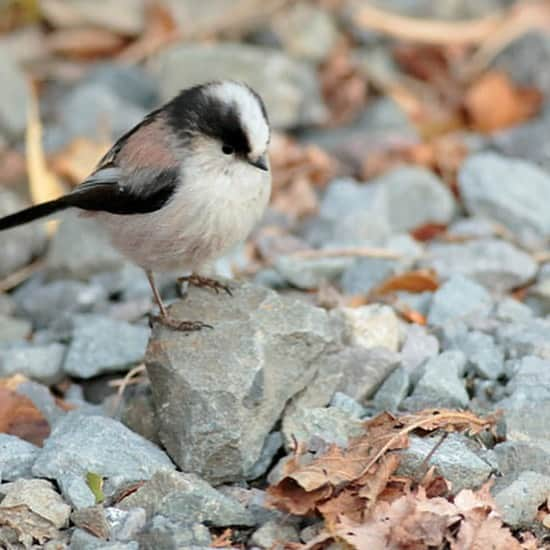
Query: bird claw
205	282
177	324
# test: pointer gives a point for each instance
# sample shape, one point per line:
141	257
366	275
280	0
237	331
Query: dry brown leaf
78	159
306	486
28	526
223	540
428	231
161	30
85	43
290	160
494	102
343	85
44	185
19	416
421	280
299	199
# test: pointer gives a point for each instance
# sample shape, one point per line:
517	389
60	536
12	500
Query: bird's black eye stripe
227	149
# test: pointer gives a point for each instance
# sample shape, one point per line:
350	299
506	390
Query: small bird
180	188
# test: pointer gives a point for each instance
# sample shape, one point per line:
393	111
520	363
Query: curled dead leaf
421	280
494	102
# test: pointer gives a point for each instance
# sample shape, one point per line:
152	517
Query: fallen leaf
19	416
421	280
223	540
428	231
494	102
306	486
343	85
160	31
44	185
29	527
95	483
85	43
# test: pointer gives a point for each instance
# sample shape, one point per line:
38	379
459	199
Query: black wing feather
112	195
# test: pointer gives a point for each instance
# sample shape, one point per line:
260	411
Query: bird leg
204	282
165	319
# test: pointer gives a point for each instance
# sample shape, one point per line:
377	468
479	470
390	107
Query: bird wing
139	174
113	190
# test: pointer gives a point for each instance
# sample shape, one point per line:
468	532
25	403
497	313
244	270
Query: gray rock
495	264
81	258
526	60
459	298
216	425
354	371
484	357
173	535
526	140
529	338
129	82
45	303
306	32
126	17
488	185
310	272
414	196
514	457
288	87
21	244
13	329
76	490
455	460
16	457
138	414
394	389
42	363
39	496
382	124
526	422
443	9
101	344
43	400
419	346
510	310
370	326
273	532
82	540
328	425
256	501
347	404
273	442
441	383
473	228
125	524
14	98
350	214
188	498
80	444
366	274
86	107
519	501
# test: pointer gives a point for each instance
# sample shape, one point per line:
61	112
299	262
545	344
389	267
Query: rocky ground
398	269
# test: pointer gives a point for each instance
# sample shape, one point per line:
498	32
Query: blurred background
353	88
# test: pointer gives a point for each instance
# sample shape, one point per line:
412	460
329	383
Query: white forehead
249	109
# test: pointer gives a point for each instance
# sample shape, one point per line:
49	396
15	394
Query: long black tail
33	213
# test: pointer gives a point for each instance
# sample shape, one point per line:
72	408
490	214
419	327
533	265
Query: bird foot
205	282
177	324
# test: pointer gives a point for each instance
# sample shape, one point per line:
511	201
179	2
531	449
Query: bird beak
260	162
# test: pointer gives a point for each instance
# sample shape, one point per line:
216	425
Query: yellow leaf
95	483
43	184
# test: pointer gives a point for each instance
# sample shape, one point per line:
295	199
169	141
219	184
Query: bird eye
227	150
